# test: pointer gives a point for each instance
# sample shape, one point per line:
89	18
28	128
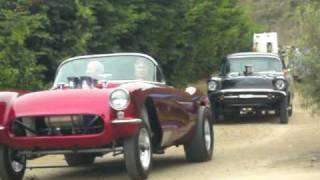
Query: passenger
269	47
141	70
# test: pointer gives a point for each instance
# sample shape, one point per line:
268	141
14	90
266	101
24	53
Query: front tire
200	148
284	115
290	110
138	154
12	165
75	160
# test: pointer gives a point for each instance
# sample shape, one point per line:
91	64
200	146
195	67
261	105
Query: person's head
269	47
95	68
140	69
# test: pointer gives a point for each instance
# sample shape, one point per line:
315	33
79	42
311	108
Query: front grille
57	125
269	100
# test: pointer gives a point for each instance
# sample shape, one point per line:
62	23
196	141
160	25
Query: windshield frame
147	57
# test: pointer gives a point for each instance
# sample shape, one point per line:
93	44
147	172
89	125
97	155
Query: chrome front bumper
253	91
126	121
246	97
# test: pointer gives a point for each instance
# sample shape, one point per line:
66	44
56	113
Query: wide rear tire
75	160
200	148
12	166
138	153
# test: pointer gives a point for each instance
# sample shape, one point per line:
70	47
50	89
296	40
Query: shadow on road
106	168
234	120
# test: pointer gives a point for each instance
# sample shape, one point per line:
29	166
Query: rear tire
138	153
200	148
12	166
284	114
75	160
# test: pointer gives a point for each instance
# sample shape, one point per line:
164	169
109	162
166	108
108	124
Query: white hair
96	66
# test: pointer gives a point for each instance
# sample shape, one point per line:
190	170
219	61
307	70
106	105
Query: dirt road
246	149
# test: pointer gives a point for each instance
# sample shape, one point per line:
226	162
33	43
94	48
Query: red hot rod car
99	104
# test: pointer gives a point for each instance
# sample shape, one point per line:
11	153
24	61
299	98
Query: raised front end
250	83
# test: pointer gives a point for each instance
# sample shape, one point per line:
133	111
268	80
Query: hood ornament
247	70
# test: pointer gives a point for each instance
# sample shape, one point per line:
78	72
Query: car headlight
212	85
119	99
280	84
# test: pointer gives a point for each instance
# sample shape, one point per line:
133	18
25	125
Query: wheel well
202	103
154	123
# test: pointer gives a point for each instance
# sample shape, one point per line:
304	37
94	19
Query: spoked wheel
200	148
208	135
138	154
12	165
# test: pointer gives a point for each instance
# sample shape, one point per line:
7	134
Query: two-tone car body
251	83
99	104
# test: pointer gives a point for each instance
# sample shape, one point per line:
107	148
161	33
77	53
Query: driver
141	70
95	69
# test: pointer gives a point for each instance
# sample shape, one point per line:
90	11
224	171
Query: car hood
59	102
255	81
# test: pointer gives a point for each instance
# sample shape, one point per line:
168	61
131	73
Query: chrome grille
57	125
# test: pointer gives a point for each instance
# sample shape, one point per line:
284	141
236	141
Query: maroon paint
176	111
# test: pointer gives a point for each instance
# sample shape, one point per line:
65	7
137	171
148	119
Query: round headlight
280	84
119	99
212	85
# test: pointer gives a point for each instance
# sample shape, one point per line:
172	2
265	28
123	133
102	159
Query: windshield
258	64
108	68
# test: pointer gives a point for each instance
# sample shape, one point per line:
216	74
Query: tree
18	63
187	37
310	29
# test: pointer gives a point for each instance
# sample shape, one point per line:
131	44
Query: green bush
187	37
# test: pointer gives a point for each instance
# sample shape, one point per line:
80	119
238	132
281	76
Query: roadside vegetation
297	24
309	25
188	37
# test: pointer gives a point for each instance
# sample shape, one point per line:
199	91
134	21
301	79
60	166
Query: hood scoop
248	70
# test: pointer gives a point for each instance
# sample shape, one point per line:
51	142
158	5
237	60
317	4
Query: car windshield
108	68
258	64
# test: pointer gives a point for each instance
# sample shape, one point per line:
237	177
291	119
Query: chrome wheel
144	148
17	161
138	153
200	147
207	134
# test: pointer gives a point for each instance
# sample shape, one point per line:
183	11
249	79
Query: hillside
278	16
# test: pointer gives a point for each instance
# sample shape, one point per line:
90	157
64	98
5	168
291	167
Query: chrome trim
2	128
214	78
128	94
264	77
246	96
56	152
124	121
109	55
253	54
252	90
